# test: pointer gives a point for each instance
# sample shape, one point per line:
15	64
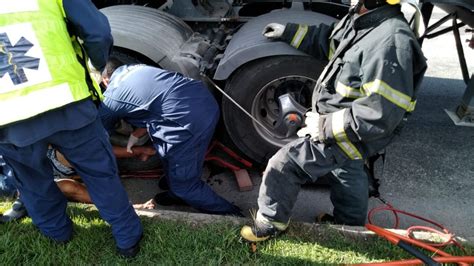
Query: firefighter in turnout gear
362	96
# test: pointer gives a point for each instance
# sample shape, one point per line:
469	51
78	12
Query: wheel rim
265	105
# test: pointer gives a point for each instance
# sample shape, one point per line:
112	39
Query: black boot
163	184
325	218
130	252
168	199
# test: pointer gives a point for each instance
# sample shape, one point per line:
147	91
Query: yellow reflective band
401	100
347	91
31	104
393	2
299	35
341	137
332	49
15	7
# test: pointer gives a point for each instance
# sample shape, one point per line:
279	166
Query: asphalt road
429	169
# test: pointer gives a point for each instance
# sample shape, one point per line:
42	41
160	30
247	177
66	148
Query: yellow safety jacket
42	65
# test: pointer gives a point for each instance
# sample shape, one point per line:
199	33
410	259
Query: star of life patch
22	62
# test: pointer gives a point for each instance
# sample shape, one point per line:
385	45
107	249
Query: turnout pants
303	160
88	149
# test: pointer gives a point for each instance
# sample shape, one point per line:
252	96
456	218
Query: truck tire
151	33
130	57
256	87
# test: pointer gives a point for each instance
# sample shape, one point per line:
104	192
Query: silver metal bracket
463	114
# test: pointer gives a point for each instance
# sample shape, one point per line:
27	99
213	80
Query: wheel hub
280	105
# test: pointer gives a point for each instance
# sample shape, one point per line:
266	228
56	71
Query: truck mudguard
249	44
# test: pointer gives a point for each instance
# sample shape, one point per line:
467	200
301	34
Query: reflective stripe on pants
301	161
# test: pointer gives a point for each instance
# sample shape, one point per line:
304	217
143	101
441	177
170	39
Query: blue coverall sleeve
108	116
92	27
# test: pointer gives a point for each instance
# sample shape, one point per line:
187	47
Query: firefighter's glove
311	128
132	141
273	30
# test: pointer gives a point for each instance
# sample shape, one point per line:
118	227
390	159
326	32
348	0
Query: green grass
169	242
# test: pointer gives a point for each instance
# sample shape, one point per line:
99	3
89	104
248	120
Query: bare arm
139	132
140	152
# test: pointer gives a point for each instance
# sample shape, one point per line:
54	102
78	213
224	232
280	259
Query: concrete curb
359	232
191	217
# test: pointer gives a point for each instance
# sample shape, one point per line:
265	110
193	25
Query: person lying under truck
361	98
69	181
179	114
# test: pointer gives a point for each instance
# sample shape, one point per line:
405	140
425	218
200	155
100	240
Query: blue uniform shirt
171	106
93	28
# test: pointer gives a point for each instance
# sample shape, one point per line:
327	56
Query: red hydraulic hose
407	242
457	259
394	238
444	231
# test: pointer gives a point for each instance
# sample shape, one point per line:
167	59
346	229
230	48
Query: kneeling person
180	115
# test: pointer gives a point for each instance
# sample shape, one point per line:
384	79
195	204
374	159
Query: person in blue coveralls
46	98
179	114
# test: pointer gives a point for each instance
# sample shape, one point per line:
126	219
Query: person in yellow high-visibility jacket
46	97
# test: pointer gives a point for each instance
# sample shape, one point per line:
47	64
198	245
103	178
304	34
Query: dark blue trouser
88	149
302	160
183	164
